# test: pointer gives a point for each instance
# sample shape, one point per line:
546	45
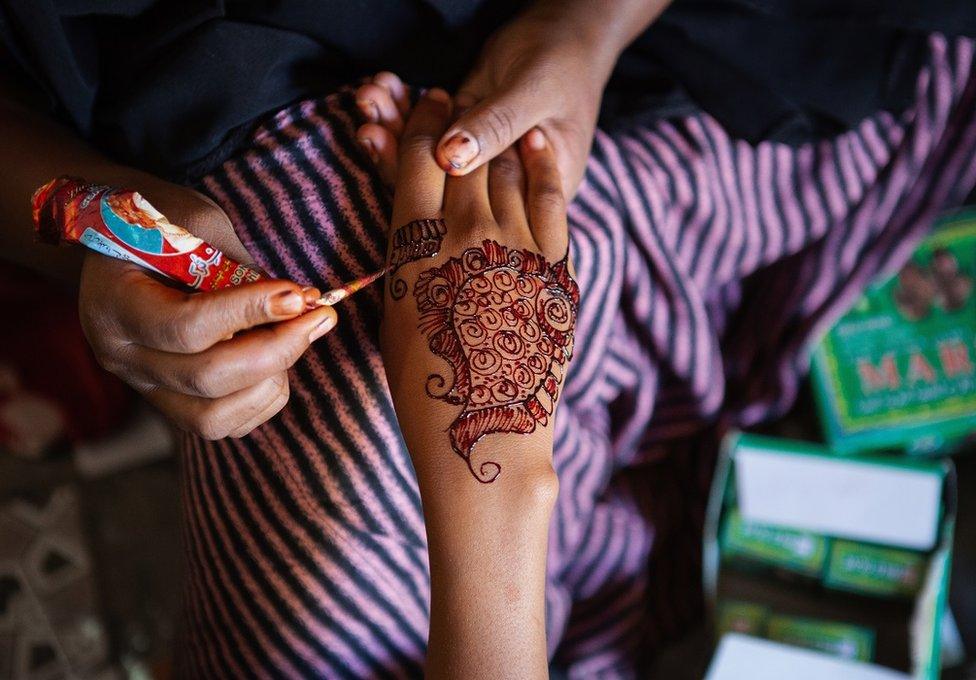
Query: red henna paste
503	320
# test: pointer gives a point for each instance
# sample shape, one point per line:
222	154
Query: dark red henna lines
411	242
503	319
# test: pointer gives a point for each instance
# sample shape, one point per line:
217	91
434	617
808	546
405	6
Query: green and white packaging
879	510
736	616
898	370
834	638
799	551
874	570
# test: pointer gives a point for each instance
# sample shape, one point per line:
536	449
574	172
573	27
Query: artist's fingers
493	124
381	146
420	182
506	189
232	416
232	365
376	104
545	200
157	316
466	198
396	88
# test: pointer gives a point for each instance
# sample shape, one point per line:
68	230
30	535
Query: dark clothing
171	86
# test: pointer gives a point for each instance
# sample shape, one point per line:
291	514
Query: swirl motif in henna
411	242
503	319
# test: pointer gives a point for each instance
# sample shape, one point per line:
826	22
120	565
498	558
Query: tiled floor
89	571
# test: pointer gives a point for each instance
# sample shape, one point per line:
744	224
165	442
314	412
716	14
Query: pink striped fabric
706	266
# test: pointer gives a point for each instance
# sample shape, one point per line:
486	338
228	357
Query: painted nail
369	110
438	95
460	150
535	139
287	303
326	325
370	148
310	294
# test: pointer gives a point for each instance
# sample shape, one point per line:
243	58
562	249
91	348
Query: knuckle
548	195
183	336
498	124
507	167
257	310
209	424
417	144
205	380
280	382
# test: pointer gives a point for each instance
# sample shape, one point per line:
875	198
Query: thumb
487	128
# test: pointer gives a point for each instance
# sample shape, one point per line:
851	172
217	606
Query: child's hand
480	310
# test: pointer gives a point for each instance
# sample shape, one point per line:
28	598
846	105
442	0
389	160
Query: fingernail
460	150
535	139
438	95
370	148
287	303
310	294
324	327
369	109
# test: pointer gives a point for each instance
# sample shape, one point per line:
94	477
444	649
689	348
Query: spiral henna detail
503	319
411	242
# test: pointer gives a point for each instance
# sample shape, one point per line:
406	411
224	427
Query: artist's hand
215	363
546	68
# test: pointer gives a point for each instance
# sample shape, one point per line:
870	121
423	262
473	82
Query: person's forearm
605	26
487	520
487	545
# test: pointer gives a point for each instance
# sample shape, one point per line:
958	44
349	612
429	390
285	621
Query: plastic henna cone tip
337	295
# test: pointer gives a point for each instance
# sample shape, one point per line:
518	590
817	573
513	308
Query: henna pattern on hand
503	319
411	242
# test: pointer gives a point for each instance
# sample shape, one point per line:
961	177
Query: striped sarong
707	266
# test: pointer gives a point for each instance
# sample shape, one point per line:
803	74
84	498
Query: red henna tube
121	223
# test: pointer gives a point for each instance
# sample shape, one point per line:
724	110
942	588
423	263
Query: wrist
603	29
524	494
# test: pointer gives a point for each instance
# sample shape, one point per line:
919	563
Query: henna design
503	319
411	242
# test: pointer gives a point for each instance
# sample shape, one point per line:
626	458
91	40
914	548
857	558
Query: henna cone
122	224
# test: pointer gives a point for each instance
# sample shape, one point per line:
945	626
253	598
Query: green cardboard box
832	637
798	551
742	617
874	570
898	370
864	503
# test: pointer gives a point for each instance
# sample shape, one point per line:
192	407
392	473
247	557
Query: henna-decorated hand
480	305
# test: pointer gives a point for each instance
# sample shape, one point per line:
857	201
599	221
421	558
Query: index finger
155	315
420	181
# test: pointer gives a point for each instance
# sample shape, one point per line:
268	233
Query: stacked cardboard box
827	557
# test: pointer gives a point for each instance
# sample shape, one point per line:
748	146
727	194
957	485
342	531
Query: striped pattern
706	266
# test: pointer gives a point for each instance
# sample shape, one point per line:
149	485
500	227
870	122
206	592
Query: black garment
171	85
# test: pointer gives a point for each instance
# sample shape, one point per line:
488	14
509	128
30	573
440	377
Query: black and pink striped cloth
707	267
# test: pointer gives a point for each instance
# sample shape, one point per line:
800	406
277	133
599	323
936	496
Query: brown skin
487	542
173	347
546	68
